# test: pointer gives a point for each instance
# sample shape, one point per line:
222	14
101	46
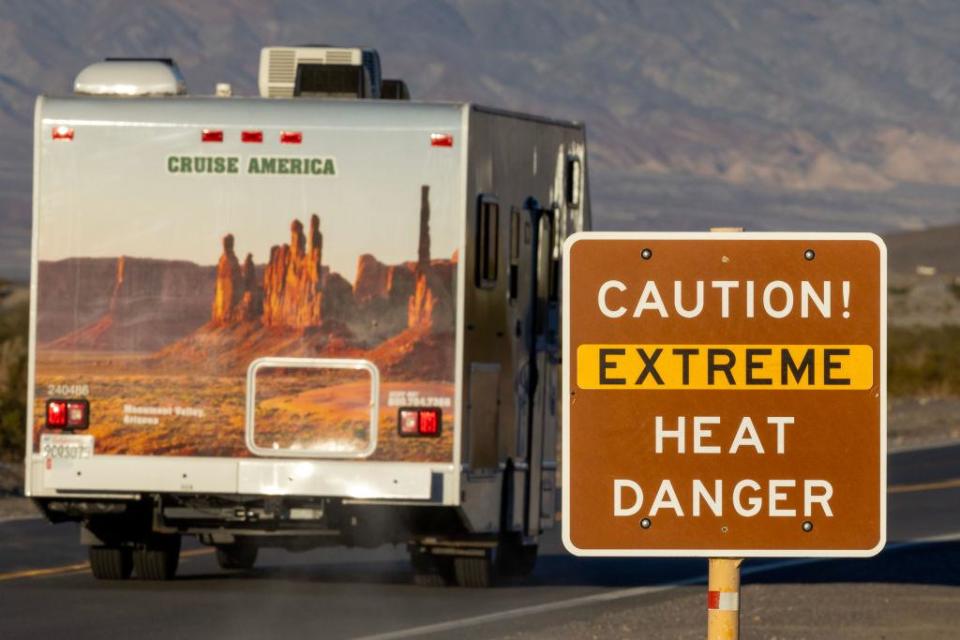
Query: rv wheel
474	572
158	558
239	555
515	558
111	563
430	570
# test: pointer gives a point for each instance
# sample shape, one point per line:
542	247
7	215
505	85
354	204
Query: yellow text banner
727	367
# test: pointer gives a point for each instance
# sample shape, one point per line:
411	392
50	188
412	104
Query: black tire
430	570
111	563
474	572
158	558
516	559
528	560
430	580
239	555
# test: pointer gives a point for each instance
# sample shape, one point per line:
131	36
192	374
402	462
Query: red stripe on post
723	601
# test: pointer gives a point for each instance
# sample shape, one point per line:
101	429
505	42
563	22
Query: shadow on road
926	564
929	564
932	564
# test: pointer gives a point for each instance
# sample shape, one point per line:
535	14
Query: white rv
327	315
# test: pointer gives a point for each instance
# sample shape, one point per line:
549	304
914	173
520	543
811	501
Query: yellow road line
51	571
925	486
79	567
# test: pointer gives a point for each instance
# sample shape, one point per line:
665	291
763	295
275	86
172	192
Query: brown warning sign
724	394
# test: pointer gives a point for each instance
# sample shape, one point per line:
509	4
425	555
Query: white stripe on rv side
34	262
460	320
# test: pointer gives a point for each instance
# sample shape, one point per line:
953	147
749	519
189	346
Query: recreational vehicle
326	315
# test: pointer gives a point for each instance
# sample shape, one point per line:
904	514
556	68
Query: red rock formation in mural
379	282
423	247
431	304
292	282
229	285
251	301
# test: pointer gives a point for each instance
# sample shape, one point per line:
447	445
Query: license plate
67	447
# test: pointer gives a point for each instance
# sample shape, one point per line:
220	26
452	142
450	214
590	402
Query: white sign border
722	553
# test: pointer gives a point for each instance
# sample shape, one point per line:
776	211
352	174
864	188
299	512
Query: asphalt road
45	590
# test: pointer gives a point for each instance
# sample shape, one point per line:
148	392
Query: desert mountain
121	304
800	114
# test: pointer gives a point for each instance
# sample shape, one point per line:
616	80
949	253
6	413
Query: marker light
291	137
62	133
441	140
211	135
251	136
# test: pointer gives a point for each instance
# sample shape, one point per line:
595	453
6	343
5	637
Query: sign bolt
645	523
809	254
807	526
646	254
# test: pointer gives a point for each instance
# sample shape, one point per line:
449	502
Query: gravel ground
781	612
911	593
922	420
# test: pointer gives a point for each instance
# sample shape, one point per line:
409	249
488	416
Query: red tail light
56	413
430	422
291	137
419	422
251	136
441	140
211	135
68	414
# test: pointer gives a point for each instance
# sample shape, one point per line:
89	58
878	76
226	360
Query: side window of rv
574	181
487	241
545	270
516	229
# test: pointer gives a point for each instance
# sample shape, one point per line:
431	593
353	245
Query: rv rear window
488	241
329	80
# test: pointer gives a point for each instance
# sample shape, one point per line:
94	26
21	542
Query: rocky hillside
924	278
121	304
783	114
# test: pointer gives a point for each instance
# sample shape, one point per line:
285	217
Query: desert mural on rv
161	345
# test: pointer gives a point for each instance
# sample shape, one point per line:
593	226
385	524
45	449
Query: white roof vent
131	77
